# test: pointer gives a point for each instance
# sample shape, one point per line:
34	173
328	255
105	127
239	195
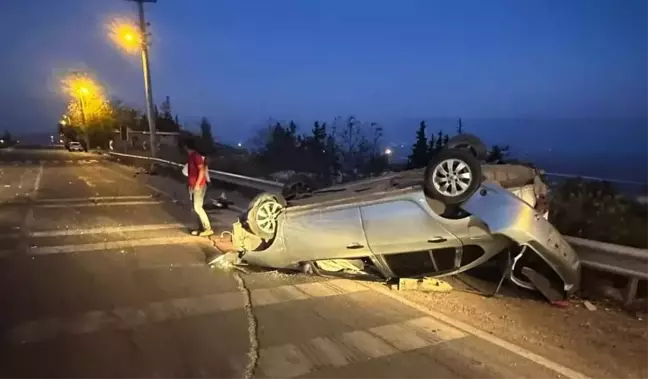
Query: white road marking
291	360
105	230
22	178
38	179
29	219
109	245
267	296
285	361
367	344
518	350
153	188
129	317
86	181
112	204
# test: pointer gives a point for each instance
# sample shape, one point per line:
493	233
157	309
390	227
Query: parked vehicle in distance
75	146
450	217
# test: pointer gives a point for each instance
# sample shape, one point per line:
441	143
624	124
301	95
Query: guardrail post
630	291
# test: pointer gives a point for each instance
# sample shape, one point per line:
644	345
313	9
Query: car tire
452	176
469	142
297	187
263	213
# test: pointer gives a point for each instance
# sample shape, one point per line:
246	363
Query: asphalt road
98	278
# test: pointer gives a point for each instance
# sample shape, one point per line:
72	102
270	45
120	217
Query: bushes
597	211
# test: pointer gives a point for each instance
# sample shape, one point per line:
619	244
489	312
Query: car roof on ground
506	175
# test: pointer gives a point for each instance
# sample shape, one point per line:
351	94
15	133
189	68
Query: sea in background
612	148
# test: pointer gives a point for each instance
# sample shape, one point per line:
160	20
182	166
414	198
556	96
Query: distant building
136	140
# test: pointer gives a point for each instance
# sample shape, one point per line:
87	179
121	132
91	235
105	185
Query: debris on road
589	305
225	261
543	285
560	303
423	285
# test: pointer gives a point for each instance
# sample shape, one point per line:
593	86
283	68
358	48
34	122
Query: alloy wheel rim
452	177
266	216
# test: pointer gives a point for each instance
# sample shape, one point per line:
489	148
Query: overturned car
448	218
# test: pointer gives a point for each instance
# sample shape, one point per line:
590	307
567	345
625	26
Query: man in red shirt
198	176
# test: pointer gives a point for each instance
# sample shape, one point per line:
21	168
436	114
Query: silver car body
390	221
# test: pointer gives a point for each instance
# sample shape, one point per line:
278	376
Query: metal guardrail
240	180
627	261
623	260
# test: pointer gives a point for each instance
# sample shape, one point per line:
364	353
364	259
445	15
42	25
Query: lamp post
129	37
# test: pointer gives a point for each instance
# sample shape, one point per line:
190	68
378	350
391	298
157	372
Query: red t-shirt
193	164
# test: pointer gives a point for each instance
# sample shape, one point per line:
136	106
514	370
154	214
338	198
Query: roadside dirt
604	343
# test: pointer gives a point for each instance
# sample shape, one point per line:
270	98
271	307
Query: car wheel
452	176
469	142
263	213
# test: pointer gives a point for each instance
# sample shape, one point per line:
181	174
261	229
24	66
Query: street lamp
126	35
132	39
78	86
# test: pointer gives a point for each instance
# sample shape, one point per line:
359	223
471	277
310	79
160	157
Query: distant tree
358	146
7	139
431	146
165	121
281	150
377	161
205	130
142	124
166	108
419	156
314	148
439	141
348	146
459	127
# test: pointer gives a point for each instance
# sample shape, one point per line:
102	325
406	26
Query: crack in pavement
253	353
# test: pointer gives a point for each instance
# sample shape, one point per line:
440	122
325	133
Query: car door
325	233
405	232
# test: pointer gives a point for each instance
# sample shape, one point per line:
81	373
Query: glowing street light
79	86
126	35
388	151
134	38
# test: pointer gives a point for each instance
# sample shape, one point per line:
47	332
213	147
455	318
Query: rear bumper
506	214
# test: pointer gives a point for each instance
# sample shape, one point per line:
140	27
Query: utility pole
147	74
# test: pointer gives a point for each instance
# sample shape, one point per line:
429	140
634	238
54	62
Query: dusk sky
396	62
